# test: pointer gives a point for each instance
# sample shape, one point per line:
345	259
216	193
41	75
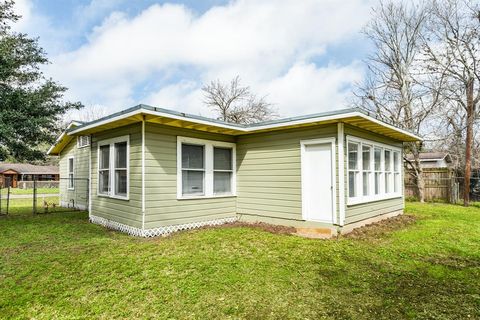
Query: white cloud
268	43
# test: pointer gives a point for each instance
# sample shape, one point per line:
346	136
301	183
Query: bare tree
87	114
235	103
452	48
396	89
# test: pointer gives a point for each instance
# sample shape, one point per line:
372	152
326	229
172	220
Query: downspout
341	173
143	173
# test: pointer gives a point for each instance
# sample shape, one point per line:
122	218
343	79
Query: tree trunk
468	142
419	173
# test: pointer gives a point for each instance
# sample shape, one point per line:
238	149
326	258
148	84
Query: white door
318	181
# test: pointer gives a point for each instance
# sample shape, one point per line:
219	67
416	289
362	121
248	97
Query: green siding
128	212
79	196
358	212
162	208
269	173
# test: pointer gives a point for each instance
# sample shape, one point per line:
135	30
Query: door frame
303	144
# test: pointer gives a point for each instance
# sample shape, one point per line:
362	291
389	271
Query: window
396	172
193	169
205	168
113	166
388	173
104	170
353	169
374	171
222	170
120	168
83	141
366	169
378	169
71	173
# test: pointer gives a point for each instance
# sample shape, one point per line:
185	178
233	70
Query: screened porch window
374	171
353	169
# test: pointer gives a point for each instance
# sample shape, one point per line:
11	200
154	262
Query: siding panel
162	206
125	211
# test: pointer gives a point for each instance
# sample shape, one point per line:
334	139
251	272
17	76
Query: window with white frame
388	171
353	169
71	173
366	169
205	168
83	141
396	172
113	179
377	164
374	171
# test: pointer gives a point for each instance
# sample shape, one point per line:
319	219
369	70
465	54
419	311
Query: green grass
61	266
30	191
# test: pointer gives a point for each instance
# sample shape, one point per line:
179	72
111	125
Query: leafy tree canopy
31	106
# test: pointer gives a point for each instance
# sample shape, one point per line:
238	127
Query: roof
432	156
353	116
26	168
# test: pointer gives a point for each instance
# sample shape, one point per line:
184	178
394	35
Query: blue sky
112	54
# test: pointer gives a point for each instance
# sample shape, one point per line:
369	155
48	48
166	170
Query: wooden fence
440	184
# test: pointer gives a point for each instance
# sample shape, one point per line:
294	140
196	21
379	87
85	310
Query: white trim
73	172
111	142
372	197
90	178
208	191
304	143
143	173
160	231
64	133
243	129
341	172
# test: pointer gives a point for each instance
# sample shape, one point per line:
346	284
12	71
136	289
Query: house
23	174
153	171
433	159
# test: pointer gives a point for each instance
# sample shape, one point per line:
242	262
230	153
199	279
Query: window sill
352	202
112	197
206	197
70	189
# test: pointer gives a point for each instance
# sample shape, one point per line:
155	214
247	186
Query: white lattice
165	230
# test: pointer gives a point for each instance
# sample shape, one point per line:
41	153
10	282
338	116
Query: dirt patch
381	228
257	225
453	262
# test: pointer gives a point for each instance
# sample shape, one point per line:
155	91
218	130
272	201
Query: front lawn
61	266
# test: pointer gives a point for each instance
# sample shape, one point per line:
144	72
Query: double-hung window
113	166
71	173
374	171
205	168
193	169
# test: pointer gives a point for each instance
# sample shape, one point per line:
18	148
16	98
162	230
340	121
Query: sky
303	55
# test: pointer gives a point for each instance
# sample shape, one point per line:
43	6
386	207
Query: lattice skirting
165	230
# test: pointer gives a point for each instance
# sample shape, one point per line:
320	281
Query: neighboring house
153	171
433	159
12	174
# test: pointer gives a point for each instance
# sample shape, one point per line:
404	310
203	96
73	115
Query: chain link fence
37	197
